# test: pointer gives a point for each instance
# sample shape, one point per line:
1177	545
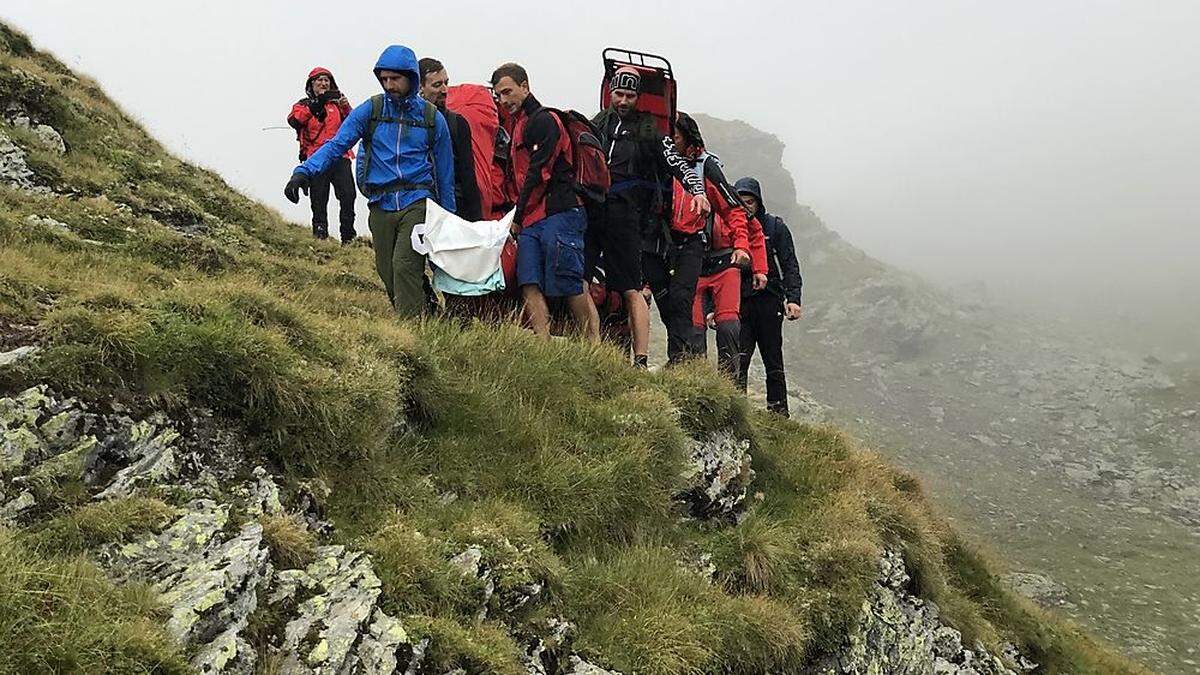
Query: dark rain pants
341	178
762	327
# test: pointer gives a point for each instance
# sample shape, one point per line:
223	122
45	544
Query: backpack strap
368	140
430	133
428	120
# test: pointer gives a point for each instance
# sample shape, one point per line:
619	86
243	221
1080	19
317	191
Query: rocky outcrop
1038	587
13	168
212	565
900	634
718	476
47	135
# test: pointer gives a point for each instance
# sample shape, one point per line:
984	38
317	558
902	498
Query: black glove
298	182
317	107
331	95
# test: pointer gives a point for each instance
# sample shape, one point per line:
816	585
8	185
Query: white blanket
467	251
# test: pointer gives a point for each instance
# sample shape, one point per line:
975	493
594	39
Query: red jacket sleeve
733	216
758	246
299	116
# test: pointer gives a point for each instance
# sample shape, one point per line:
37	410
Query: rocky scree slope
1072	455
222	453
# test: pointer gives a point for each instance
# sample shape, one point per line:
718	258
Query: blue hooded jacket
396	156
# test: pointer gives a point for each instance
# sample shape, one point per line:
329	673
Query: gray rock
577	666
718	475
14	170
900	634
152	454
19	354
209	584
339	628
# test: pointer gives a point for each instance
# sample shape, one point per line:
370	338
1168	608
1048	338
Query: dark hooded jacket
783	269
400	148
313	130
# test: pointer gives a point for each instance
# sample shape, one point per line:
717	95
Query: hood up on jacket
401	59
750	186
312	75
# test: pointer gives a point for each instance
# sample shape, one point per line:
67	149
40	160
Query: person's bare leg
639	322
536	310
586	316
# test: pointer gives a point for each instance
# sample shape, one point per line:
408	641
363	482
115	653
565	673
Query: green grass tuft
107	522
62	615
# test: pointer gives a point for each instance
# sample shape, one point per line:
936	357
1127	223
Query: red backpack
588	160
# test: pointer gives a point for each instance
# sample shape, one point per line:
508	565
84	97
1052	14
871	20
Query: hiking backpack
428	122
588	160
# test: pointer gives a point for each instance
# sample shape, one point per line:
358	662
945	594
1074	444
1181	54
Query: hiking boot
641	362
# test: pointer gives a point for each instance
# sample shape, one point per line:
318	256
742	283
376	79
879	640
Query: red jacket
731	228
311	131
540	166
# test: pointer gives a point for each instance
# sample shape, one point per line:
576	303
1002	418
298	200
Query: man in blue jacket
763	310
405	157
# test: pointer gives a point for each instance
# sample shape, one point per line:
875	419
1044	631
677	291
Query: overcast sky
1046	145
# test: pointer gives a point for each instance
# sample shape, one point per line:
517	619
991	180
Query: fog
1049	149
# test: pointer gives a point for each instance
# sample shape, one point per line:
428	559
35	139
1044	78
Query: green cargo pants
400	267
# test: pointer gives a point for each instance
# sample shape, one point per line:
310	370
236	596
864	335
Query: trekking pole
273	128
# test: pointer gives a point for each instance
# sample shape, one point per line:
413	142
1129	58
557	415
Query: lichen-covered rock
718	475
338	627
900	634
209	584
149	455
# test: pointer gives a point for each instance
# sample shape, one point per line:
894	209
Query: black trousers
673	280
762	327
341	177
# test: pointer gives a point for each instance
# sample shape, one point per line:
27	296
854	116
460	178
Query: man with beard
434	84
641	161
405	158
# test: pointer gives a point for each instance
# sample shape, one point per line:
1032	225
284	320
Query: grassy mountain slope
151	285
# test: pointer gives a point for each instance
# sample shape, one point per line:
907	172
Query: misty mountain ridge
1010	416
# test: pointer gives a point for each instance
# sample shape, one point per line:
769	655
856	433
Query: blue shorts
550	254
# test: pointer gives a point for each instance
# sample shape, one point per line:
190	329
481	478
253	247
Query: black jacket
783	269
466	188
638	151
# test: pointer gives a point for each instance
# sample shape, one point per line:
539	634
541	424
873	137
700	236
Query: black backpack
428	122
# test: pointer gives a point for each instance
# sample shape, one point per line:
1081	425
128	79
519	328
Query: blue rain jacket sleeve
352	129
443	159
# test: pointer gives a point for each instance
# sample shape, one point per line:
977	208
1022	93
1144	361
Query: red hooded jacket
731	228
311	131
